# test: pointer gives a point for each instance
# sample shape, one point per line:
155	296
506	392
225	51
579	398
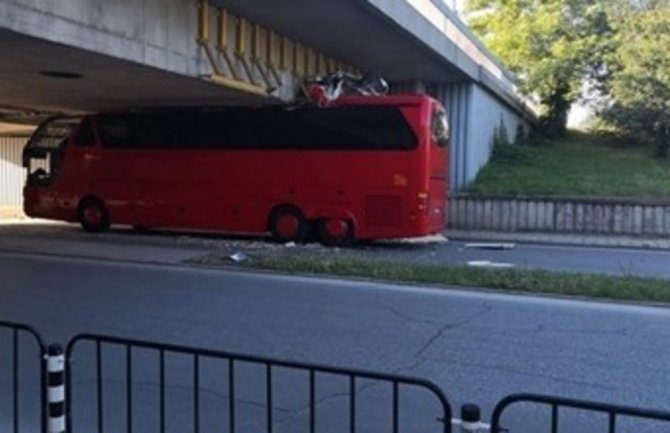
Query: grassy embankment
577	165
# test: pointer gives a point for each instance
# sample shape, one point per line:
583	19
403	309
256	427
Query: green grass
587	285
577	165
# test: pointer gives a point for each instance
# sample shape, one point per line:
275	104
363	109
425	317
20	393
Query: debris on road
238	257
290	244
490	246
489	264
432	239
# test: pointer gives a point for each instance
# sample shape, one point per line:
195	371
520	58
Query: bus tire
288	224
336	232
93	215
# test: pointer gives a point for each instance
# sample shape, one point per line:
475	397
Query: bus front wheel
288	224
93	216
336	232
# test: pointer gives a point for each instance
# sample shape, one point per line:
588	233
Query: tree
638	90
552	46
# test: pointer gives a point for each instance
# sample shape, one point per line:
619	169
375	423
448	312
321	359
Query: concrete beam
155	33
127	53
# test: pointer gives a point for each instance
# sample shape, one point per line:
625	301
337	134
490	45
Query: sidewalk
13	213
560	239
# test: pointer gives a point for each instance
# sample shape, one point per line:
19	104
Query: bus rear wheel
336	232
93	216
288	224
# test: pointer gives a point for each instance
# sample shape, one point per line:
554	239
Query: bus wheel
93	216
336	232
288	224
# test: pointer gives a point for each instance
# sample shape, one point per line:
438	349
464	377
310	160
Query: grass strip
628	288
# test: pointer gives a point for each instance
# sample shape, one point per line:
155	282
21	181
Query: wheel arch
277	208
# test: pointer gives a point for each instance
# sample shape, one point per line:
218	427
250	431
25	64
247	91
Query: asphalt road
178	247
476	346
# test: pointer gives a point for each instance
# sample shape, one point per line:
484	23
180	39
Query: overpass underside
92	55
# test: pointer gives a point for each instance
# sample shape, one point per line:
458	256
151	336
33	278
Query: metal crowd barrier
17	341
127	351
51	376
613	412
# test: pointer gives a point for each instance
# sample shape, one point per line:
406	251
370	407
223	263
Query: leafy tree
638	90
552	45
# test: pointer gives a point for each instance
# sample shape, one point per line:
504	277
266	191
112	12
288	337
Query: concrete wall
474	114
486	113
560	215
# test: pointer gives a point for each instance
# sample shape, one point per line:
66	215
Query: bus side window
84	136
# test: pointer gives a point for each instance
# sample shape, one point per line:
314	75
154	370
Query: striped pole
56	389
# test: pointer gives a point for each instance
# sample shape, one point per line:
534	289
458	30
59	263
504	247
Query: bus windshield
43	154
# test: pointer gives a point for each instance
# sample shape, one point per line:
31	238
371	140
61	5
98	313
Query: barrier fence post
56	389
471	419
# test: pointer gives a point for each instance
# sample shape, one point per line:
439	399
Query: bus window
378	128
440	127
84	136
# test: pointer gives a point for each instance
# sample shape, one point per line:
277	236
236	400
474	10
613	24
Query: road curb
560	239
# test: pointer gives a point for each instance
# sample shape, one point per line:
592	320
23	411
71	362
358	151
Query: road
177	247
476	346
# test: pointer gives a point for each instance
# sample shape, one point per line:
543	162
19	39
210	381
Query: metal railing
35	370
128	351
15	340
613	412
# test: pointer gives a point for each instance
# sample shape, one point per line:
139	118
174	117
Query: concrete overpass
88	55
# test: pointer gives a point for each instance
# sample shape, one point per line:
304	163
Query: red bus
364	168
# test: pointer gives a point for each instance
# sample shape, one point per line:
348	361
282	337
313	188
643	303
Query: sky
456	5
